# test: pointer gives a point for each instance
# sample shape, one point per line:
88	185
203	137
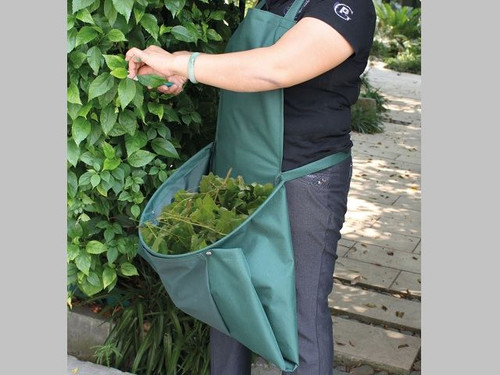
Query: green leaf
73	251
83	112
112	254
138	98
95	180
128	121
109	151
94	280
77	58
150	24
214	35
108	119
110	164
115	61
135	142
80	4
138	13
73	94
71	38
217	15
165	148
126	92
72	152
171	114
151	80
184	35
128	269
85	16
120	73
94	58
124	7
110	12
88	288
82	262
116	35
85	35
174	6
72	184
135	210
101	85
80	129
156	109
95	247
140	158
108	276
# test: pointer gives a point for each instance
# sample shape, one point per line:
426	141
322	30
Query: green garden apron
243	285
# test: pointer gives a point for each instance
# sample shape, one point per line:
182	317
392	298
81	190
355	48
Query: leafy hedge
124	140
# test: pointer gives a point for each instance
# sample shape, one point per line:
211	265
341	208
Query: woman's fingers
136	60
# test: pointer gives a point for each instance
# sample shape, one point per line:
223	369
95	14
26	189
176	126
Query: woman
318	62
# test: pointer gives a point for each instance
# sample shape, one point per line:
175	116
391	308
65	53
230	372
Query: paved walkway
375	303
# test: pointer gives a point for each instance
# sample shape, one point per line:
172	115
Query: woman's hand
155	60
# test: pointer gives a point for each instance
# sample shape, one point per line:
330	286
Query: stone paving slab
400	221
374	307
359	343
408	282
78	367
418	249
409	203
382	238
385	256
362	273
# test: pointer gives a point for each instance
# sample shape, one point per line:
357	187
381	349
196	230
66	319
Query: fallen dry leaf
403	346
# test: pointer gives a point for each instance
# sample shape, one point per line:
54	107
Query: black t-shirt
317	112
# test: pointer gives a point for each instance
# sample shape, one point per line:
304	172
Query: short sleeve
353	19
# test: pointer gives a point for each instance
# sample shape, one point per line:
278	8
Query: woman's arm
308	49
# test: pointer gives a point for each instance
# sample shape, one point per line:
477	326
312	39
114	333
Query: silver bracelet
191	61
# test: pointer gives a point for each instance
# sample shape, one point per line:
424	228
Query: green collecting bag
243	284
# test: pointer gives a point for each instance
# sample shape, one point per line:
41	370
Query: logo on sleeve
343	11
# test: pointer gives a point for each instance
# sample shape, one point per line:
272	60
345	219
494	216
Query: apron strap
292	11
312	167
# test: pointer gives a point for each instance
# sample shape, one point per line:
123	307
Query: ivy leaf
95	247
171	114
111	164
151	80
112	254
135	210
71	38
135	142
124	7
80	4
82	262
85	35
156	109
217	15
88	288
94	280
109	151
116	35
128	120
165	148
85	16
72	152
150	24
110	12
174	6
101	85
80	129
94	58
126	92
120	73
214	35
183	34
108	276
128	269
73	251
73	94
115	61
140	158
77	58
95	180
108	119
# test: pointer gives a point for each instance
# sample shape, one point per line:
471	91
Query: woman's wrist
180	64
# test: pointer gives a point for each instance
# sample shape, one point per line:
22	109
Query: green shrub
123	140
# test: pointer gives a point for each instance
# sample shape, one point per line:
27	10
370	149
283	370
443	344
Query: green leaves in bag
195	220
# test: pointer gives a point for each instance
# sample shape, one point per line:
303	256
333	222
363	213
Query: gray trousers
317	204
